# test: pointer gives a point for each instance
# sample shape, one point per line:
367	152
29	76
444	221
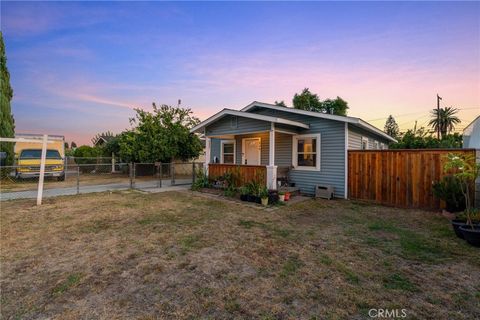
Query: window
228	151
377	146
37	154
364	143
306	152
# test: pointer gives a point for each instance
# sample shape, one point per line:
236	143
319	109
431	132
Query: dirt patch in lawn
177	254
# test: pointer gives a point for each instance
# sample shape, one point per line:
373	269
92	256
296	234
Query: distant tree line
443	120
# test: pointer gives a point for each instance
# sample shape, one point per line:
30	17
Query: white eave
255	116
354	121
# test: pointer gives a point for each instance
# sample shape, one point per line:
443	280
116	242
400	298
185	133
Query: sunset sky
80	68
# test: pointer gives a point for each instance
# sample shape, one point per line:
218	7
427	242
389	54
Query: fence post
65	168
78	179
193	172
130	173
159	174
172	171
113	162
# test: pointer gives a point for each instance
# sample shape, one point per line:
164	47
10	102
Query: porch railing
243	173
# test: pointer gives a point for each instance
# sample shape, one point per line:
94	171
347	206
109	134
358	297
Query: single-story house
312	145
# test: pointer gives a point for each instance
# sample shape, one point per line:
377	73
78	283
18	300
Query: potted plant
449	190
244	193
264	196
272	196
281	196
287	196
466	171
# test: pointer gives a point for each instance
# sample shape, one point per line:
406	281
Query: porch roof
225	112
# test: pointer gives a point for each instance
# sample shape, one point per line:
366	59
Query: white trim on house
237	113
259	149
295	139
355	121
222	142
345	192
362	140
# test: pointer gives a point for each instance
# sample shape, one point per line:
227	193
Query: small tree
162	135
280	103
466	171
73	145
391	127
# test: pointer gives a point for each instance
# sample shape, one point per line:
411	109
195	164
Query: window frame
361	143
376	145
295	139
230	141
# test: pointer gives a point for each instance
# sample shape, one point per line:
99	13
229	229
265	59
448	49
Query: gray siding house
313	146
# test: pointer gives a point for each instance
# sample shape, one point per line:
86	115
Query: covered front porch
264	156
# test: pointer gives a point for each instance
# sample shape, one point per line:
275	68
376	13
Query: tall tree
391	127
336	106
7	123
444	119
306	101
73	145
309	101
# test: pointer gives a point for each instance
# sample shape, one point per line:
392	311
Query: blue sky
80	68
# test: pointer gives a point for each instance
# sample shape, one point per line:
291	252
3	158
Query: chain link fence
77	178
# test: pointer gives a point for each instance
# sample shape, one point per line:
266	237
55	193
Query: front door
251	151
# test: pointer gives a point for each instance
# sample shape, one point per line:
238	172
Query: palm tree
445	119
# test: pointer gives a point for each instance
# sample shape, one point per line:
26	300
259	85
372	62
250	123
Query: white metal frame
259	149
222	142
295	139
44	143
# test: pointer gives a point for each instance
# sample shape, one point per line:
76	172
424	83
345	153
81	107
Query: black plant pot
250	198
244	197
456	224
471	235
258	200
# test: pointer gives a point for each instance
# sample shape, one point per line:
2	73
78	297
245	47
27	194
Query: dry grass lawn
181	255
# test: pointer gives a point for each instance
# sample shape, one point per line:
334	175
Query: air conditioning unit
325	192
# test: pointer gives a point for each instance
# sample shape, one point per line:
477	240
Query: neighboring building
102	140
471	135
312	145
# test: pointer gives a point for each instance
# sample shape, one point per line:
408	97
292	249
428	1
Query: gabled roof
470	126
352	120
226	112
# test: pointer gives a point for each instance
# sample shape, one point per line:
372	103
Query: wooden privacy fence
400	178
243	173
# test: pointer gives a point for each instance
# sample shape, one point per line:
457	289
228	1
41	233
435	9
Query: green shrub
449	190
201	180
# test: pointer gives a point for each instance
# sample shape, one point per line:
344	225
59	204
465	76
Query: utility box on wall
325	192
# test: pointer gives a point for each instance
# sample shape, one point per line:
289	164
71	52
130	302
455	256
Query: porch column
207	154
271	168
